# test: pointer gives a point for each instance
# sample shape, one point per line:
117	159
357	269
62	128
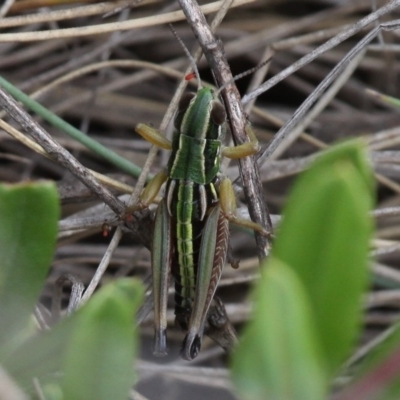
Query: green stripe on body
184	234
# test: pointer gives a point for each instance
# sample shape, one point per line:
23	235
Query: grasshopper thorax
196	145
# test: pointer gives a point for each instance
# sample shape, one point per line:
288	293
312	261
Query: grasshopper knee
149	193
228	206
244	149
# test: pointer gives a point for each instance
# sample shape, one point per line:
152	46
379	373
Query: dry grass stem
329	65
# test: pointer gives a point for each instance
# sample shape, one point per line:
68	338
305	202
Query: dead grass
89	71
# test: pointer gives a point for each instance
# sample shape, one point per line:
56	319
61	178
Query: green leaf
378	374
324	237
96	342
40	356
278	357
100	353
52	391
81	345
28	229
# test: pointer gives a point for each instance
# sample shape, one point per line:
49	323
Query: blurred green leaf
324	237
41	356
378	374
52	391
29	214
97	341
99	355
93	348
278	356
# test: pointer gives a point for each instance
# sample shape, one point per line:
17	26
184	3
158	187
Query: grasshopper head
191	346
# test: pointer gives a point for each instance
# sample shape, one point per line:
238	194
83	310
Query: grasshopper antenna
189	56
242	75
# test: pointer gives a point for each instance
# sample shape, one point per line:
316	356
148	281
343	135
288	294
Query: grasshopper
191	226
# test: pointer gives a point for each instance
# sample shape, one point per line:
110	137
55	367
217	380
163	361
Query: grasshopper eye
182	108
185	101
218	114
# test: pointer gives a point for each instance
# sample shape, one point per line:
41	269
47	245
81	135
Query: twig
324	100
386	212
383	297
369	346
325	47
110	27
102	266
308	103
59	15
214	53
5	7
386	272
106	64
28	142
58	153
376	381
55	120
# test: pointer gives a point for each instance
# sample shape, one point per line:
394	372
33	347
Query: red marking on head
190	76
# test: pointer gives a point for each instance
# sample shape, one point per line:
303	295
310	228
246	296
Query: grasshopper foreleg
153	187
245	149
153	136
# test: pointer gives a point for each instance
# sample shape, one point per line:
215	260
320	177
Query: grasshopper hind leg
212	256
191	345
161	265
160	348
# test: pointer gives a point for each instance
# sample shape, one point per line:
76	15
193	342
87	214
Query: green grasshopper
191	228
